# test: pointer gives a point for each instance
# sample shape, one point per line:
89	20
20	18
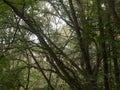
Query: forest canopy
59	44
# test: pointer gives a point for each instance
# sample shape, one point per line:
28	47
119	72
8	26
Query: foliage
59	44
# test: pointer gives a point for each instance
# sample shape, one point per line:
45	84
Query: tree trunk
103	46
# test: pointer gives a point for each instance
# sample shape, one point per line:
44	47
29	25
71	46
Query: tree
76	40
